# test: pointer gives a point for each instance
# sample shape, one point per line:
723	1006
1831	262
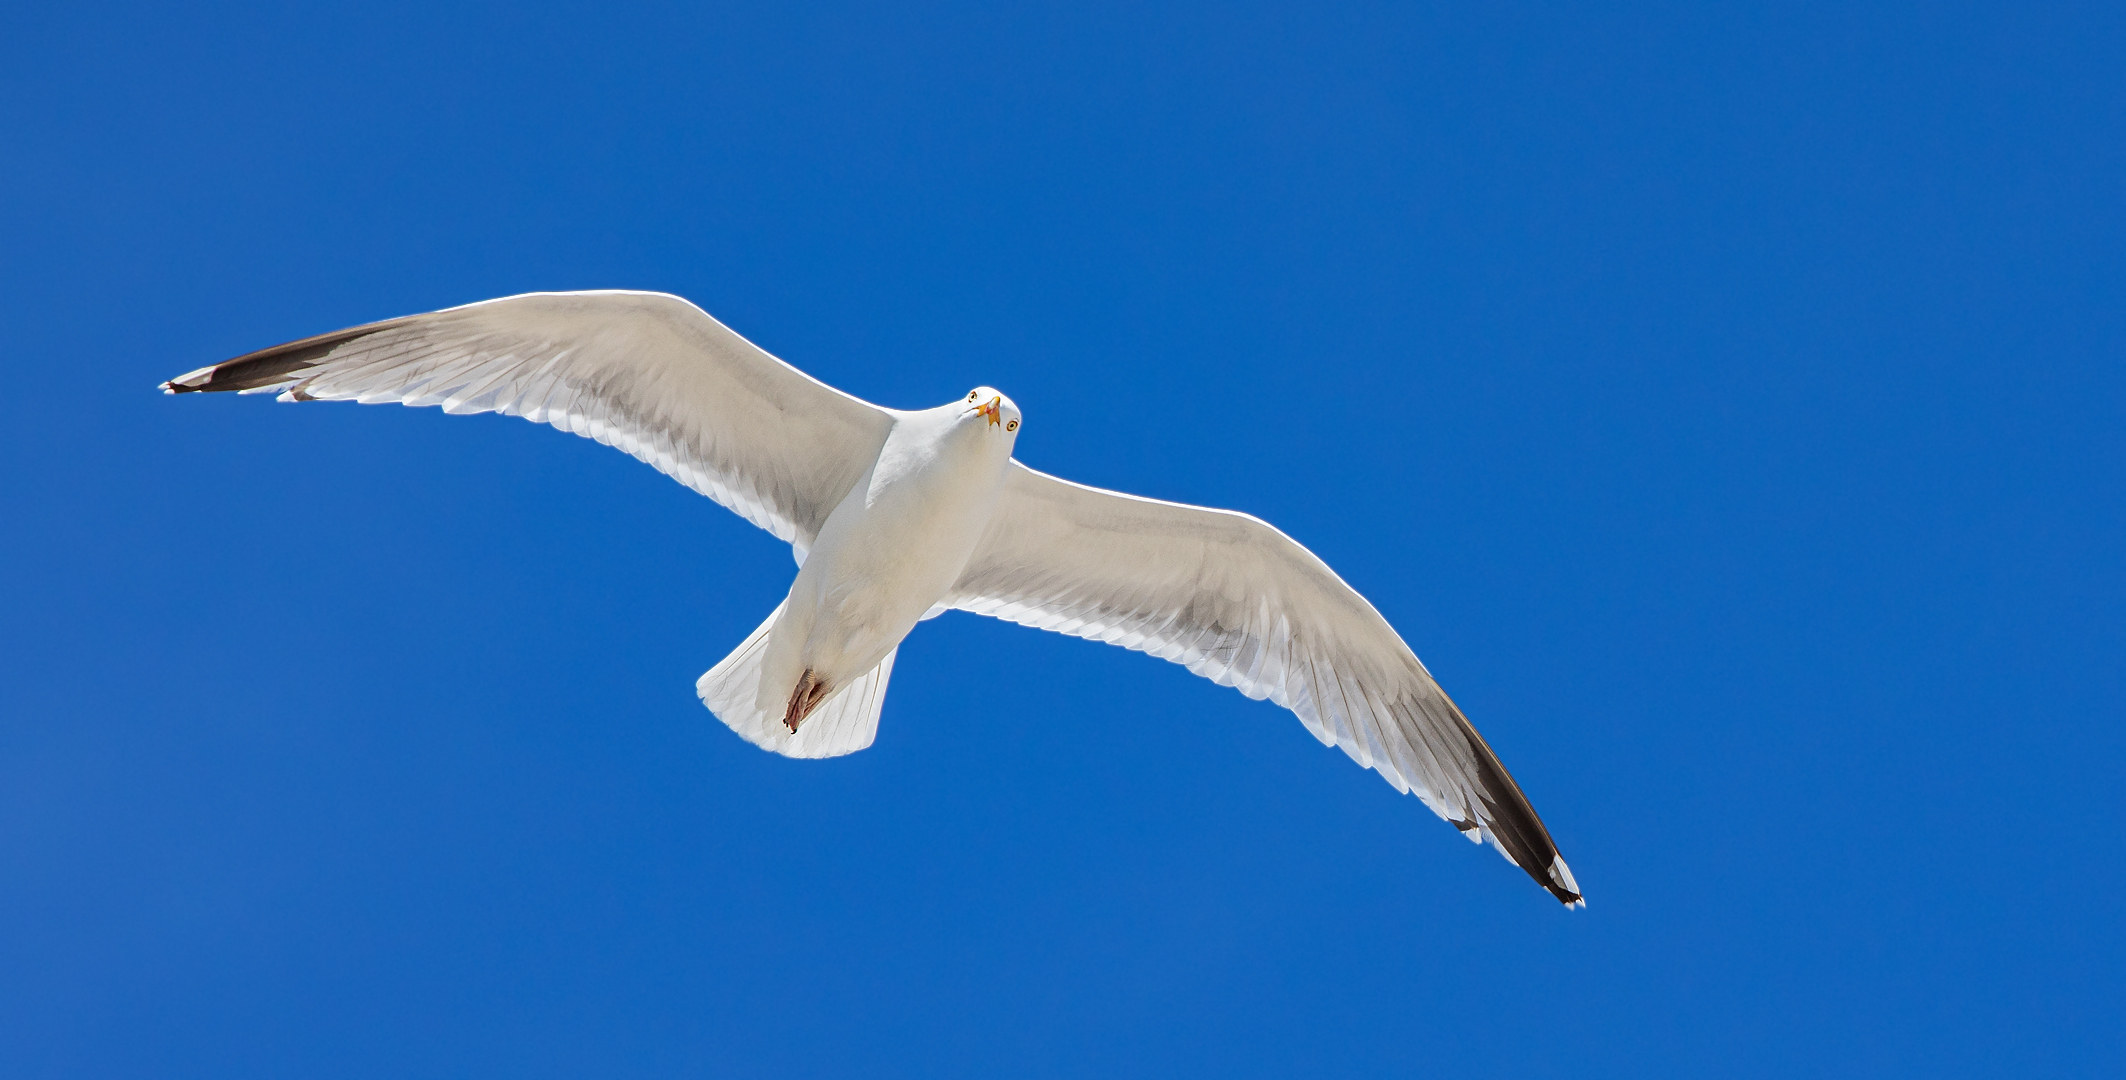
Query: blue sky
1726	403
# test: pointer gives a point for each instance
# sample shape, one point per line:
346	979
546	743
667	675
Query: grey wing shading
1245	606
648	373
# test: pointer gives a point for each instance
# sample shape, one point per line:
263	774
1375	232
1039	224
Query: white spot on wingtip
191	379
1562	875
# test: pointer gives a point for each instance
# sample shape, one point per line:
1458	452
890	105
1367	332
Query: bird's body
897	515
891	549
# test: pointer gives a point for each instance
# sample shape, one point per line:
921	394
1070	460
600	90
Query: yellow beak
993	410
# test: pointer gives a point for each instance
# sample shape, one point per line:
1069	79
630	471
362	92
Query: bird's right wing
1245	606
647	372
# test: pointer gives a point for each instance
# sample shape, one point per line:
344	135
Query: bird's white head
991	411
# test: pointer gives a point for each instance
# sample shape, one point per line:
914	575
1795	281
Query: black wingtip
267	367
1514	826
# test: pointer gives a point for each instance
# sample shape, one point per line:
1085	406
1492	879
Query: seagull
895	517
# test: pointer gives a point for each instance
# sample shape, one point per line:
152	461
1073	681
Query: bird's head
987	407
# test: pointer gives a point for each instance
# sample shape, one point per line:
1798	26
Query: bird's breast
897	543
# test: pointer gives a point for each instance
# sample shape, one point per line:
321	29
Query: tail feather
847	721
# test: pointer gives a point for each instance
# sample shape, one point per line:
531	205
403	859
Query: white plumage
895	516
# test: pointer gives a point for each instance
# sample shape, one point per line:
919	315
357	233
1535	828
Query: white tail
843	724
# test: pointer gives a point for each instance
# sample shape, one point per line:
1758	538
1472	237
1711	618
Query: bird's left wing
1244	605
646	372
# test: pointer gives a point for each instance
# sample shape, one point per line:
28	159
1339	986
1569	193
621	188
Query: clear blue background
1726	404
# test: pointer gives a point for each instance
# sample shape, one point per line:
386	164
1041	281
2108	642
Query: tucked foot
810	691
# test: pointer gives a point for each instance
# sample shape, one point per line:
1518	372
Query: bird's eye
971	394
1013	426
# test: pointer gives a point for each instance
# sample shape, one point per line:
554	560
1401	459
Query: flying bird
895	517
